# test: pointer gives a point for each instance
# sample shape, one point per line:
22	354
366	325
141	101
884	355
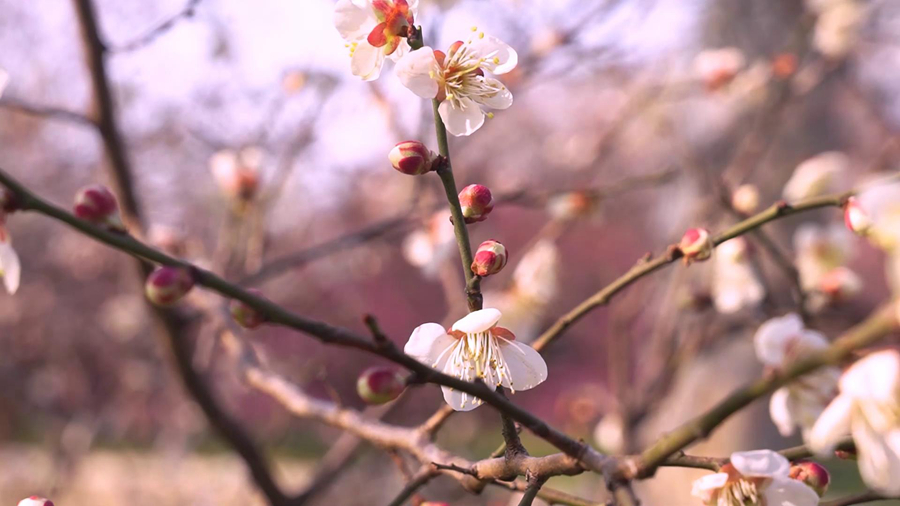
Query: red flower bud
244	315
378	385
476	202
35	501
856	218
696	244
490	258
412	158
813	475
167	285
98	205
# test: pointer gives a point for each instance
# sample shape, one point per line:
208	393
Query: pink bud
244	315
490	258
476	202
412	158
167	285
855	217
745	199
696	244
378	385
35	501
98	205
813	475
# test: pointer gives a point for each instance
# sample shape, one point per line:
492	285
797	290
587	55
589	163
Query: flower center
741	492
478	356
462	74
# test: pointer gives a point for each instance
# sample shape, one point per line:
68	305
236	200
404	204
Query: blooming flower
10	268
427	247
868	407
237	172
717	67
816	176
374	29
822	253
476	348
755	478
779	342
880	205
735	284
457	79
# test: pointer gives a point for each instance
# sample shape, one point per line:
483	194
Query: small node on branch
377	335
244	315
781	206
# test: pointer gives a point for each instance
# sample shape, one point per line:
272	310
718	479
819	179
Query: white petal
417	71
527	368
354	20
788	492
779	410
460	401
367	61
874	377
772	337
478	321
879	462
402	50
502	100
498	56
760	463
427	342
708	483
10	268
463	118
4	80
832	425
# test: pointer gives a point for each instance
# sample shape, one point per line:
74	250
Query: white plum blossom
880	204
457	79
754	478
374	29
10	268
476	348
816	176
868	408
837	28
717	67
735	284
822	253
779	342
609	434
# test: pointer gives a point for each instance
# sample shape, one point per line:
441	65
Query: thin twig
47	112
419	480
144	40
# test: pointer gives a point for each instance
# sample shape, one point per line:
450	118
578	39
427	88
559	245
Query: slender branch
19	106
155	32
534	487
879	324
419	480
857	499
803	452
550	495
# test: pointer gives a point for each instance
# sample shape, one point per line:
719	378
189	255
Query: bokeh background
629	126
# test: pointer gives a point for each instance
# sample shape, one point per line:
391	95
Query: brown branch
857	499
142	41
19	106
531	491
426	474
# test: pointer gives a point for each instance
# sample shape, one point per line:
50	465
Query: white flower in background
476	348
880	205
868	408
816	176
779	342
755	478
4	80
837	28
458	81
572	205
35	501
609	434
237	172
822	253
374	29
745	199
10	268
735	284
535	284
427	247
718	67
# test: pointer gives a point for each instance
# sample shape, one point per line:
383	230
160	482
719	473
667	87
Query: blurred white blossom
880	204
609	434
817	176
837	28
735	285
237	172
427	247
718	67
10	267
822	255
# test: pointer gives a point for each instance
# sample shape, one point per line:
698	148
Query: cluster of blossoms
762	478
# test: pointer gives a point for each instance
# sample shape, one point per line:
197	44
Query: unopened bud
237	172
696	244
476	202
378	385
490	258
412	158
745	199
813	475
35	501
167	285
244	315
98	205
856	218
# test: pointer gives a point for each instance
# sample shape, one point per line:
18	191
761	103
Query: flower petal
875	377
760	463
477	321
10	268
772	337
527	368
498	56
353	21
458	400
427	342
780	411
879	462
367	61
416	70
703	486
832	425
501	100
787	492
461	117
